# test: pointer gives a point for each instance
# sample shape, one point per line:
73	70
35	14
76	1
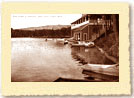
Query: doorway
85	36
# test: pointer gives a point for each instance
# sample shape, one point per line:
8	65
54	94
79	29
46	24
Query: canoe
102	69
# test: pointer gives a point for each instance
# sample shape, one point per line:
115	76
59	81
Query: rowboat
83	44
99	76
102	69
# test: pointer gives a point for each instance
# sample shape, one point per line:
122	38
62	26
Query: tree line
46	33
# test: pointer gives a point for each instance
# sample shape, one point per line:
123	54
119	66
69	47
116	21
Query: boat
60	39
61	79
46	39
83	44
89	44
102	69
65	42
77	45
91	75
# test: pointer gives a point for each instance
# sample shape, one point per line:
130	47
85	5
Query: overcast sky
35	20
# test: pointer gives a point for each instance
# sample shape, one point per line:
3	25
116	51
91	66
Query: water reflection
35	59
89	55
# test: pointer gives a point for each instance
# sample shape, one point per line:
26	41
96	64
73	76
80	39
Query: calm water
34	59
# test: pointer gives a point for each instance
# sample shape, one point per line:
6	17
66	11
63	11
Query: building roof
84	15
93	16
80	28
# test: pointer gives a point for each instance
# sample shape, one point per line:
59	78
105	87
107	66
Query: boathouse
90	26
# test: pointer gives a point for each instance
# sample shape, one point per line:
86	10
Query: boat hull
77	45
103	69
100	76
83	45
60	79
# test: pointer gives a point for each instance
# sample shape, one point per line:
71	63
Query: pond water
35	59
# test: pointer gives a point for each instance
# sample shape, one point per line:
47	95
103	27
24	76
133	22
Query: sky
35	20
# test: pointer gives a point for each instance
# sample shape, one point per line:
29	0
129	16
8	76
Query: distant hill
48	27
49	31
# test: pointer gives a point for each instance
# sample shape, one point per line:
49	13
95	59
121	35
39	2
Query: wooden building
91	26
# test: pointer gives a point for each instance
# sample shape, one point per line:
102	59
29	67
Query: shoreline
107	55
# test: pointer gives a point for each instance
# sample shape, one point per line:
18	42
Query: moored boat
78	45
102	69
83	44
65	42
89	44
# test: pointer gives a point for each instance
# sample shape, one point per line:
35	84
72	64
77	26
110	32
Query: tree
116	25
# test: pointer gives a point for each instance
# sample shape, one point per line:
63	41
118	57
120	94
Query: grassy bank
109	44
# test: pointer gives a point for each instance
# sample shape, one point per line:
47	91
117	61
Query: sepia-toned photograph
65	48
